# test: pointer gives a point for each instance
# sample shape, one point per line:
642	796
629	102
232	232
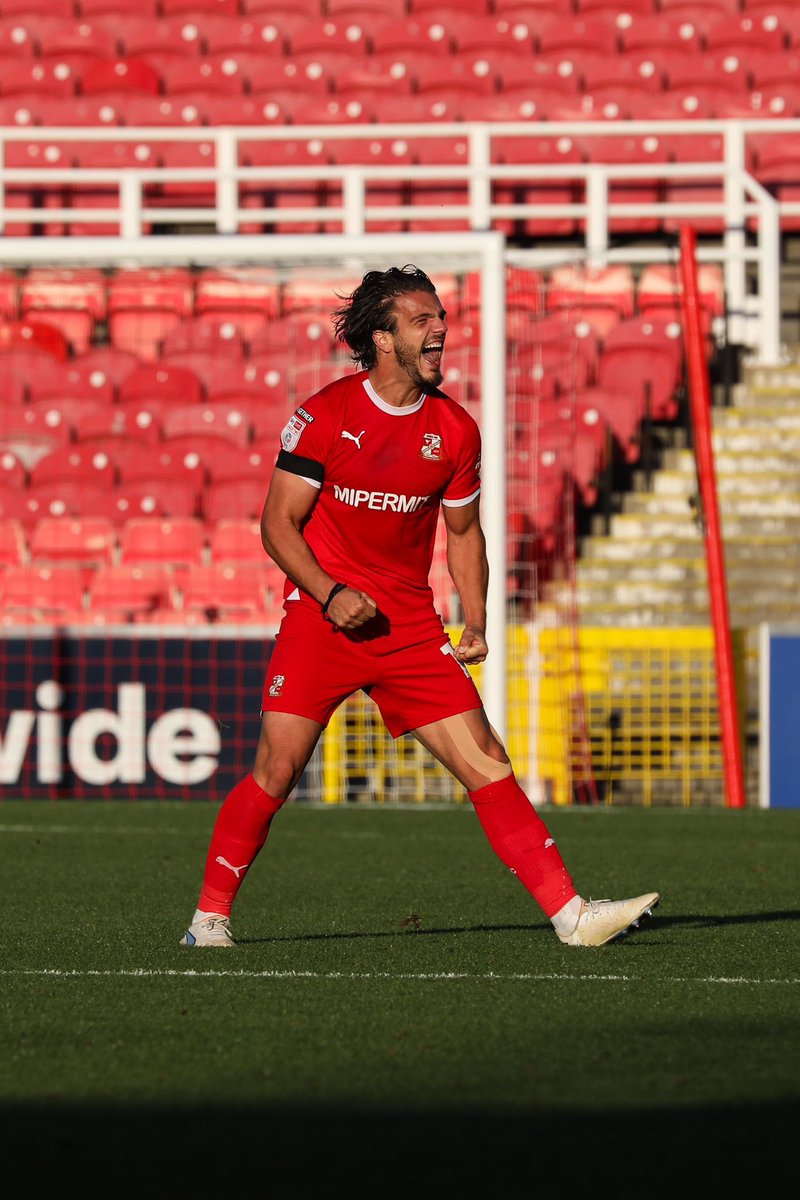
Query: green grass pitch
398	1016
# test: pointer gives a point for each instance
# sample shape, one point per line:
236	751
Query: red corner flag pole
700	403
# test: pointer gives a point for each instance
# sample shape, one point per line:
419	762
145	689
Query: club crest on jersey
431	446
276	687
290	435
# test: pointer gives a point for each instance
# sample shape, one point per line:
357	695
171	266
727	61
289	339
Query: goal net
144	391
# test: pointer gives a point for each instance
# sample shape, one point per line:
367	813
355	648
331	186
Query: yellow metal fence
632	710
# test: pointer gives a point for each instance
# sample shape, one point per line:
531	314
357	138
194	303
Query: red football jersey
382	473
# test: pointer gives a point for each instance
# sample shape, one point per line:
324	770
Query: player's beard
409	360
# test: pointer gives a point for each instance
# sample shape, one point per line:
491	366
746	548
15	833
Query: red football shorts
314	667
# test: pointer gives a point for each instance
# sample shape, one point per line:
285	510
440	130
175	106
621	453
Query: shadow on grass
309	1152
414	926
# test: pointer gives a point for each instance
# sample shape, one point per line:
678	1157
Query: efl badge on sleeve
431	446
290	434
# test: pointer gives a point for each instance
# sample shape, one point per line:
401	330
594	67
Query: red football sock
520	839
239	833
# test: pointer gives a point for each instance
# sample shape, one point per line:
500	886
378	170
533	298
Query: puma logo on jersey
351	437
223	862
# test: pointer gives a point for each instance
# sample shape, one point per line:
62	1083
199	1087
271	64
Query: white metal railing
747	216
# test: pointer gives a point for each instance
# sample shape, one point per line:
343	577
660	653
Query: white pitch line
148	973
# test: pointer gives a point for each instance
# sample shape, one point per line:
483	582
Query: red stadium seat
658	290
48	590
222	459
262	379
85	385
474	74
159	381
13	544
226	8
230	541
139	35
27	371
140	330
354	10
13	473
226	588
174	541
644	356
77	40
654	29
143	304
237	498
126	589
217	419
112	8
119	423
103	364
745	32
602	295
344	36
137	461
709	9
43	77
65	498
29	335
198	342
120	74
16	39
620	410
247	295
494	32
158	496
183	110
85	541
218	73
75	465
224	32
71	300
574	32
61	417
415	34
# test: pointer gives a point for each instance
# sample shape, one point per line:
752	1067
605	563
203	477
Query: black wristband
337	587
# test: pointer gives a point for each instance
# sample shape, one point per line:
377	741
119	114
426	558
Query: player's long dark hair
371	307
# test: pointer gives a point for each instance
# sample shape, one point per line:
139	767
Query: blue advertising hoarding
779	709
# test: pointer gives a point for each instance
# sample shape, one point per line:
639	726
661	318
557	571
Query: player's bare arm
289	501
469	570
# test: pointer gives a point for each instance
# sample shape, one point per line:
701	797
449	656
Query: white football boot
209	929
604	921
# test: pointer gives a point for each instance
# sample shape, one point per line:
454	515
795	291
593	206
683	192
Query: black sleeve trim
297	465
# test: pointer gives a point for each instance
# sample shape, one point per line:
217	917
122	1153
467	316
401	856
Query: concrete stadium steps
754	574
731	504
650	616
684	482
666	525
778	547
691	592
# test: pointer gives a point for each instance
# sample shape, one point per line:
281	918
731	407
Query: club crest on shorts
290	435
276	687
431	446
